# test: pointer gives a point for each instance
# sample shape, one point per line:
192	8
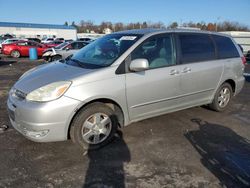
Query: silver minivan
122	78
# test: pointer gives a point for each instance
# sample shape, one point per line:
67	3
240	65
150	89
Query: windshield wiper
78	62
85	65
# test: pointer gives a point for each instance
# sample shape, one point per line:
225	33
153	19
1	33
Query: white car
63	50
47	40
9	41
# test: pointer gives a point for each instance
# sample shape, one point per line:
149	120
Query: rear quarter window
196	47
225	47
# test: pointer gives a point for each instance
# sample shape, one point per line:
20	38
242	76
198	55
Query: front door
154	91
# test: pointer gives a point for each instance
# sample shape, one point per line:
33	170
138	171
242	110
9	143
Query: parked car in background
54	43
7	36
60	39
34	39
248	56
47	40
63	50
8	41
85	39
123	78
21	48
68	40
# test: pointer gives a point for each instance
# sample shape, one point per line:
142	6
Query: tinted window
80	45
31	43
158	50
74	45
58	42
196	47
225	47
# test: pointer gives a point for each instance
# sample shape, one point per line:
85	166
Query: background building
89	35
24	30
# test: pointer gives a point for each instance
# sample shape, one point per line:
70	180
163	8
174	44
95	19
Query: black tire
77	126
56	57
215	105
15	54
45	58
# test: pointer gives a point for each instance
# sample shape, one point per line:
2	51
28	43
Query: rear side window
225	47
196	47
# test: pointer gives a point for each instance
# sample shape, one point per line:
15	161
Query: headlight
49	53
49	92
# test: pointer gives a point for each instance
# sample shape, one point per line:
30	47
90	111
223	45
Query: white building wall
34	32
89	35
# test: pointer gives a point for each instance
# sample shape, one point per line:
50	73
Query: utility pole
216	28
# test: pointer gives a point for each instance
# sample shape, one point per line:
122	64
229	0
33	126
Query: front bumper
42	122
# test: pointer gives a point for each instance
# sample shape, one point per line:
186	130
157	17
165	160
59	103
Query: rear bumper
239	85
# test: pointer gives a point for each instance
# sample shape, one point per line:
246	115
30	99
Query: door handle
186	70
174	72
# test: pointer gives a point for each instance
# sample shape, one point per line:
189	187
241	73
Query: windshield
104	51
61	45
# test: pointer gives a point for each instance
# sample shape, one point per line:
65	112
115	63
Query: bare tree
89	26
173	25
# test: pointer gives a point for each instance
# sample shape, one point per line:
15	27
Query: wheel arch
232	84
20	51
54	56
109	102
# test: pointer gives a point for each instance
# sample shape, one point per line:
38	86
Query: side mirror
138	65
67	49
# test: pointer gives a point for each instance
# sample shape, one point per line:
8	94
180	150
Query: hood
47	74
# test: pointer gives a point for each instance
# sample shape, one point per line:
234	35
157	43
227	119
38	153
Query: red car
21	48
54	43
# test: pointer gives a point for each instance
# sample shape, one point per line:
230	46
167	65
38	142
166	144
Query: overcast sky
166	11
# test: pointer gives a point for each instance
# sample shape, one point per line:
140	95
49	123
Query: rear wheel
15	54
222	97
94	126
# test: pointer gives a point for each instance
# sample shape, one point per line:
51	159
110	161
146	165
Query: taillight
244	61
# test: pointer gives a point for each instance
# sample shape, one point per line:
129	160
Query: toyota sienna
122	78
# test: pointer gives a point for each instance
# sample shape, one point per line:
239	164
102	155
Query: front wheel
222	97
94	126
15	54
55	58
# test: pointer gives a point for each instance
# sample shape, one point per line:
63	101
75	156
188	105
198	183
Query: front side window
105	50
158	50
225	47
196	47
